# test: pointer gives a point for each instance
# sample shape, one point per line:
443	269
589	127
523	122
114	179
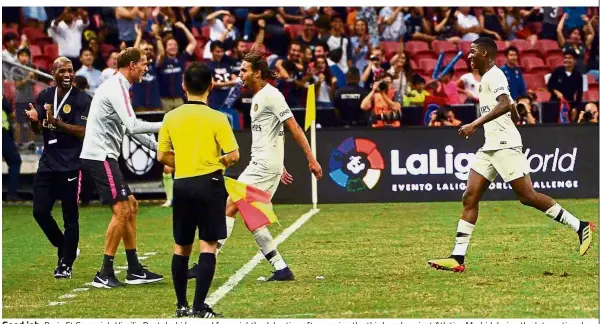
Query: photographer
375	69
528	113
589	114
443	117
386	112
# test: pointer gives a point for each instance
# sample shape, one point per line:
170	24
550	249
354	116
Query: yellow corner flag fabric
254	204
311	109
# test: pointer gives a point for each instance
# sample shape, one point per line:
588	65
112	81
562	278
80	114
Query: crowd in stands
366	63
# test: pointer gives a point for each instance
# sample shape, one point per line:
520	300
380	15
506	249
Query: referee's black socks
133	264
179	271
206	272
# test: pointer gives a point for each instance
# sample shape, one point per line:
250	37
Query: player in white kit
269	113
501	153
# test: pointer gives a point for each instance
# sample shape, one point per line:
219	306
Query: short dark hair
215	44
85	49
322	44
525	96
418	79
81	82
511	49
24	50
128	55
10	36
570	51
353	72
259	63
296	42
197	78
487	43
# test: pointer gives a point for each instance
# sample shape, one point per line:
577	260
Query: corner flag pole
310	121
313	147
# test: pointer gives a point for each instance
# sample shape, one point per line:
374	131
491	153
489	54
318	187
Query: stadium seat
195	32
591	95
414	65
530	53
33	34
554	61
414	47
531	64
427	65
38	87
43	62
461	65
591	80
444	46
542	96
9	30
462	97
465	47
501	46
521	44
51	50
206	32
548	46
199	52
9	91
105	49
35	50
500	59
43	41
534	82
296	30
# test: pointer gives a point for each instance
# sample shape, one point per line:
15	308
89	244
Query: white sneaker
167	203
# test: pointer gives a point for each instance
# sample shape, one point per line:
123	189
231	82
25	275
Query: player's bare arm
300	138
500	109
166	158
75	130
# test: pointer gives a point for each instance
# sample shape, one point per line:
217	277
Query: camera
440	115
374	58
383	86
587	116
521	109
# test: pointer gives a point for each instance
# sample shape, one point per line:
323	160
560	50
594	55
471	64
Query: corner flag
311	109
254	204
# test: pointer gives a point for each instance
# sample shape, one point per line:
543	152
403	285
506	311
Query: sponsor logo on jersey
285	112
256	128
255	107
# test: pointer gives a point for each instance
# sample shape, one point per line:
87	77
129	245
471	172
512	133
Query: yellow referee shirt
197	134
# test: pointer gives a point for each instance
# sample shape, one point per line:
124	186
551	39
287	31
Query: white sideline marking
67	296
117	271
150	253
243	271
56	303
121	267
142	257
80	289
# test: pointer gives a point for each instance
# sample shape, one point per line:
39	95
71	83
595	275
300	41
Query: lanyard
57	107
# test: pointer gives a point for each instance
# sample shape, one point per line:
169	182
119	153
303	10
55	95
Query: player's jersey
501	132
109	117
268	112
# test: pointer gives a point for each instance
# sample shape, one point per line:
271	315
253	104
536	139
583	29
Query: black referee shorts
199	202
109	180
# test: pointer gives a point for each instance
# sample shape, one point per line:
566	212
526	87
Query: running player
501	153
110	118
269	114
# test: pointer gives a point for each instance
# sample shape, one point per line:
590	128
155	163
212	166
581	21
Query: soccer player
197	134
269	114
110	118
501	153
61	114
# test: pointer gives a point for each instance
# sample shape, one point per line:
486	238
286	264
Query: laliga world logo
356	164
138	158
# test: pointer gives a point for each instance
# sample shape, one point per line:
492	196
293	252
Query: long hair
258	62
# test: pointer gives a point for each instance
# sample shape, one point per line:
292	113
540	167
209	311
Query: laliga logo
356	164
138	158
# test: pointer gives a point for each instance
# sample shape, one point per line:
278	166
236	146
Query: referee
191	140
61	114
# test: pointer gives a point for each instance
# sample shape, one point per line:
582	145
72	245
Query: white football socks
463	235
562	216
267	247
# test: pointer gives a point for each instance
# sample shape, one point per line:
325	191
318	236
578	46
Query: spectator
170	69
443	117
575	41
223	30
146	94
324	83
111	63
99	62
549	23
10	152
493	23
526	31
278	39
513	24
589	114
82	84
468	84
514	75
566	83
416	95
369	15
308	37
339	42
528	113
392	26
35	16
448	88
468	25
384	111
24	81
223	77
417	27
292	15
292	79
360	45
593	61
348	100
67	30
240	49
323	26
445	25
11	42
401	73
87	70
375	69
127	19
334	64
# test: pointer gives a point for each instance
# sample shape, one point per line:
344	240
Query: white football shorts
510	163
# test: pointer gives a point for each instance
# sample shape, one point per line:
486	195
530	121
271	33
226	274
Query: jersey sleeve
279	107
498	84
164	138
224	135
122	105
83	110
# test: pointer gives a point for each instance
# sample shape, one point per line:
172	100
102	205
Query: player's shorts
257	178
109	180
199	202
510	163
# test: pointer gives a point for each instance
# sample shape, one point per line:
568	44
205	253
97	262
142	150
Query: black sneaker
205	312
284	274
106	281
182	311
142	276
193	272
63	272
